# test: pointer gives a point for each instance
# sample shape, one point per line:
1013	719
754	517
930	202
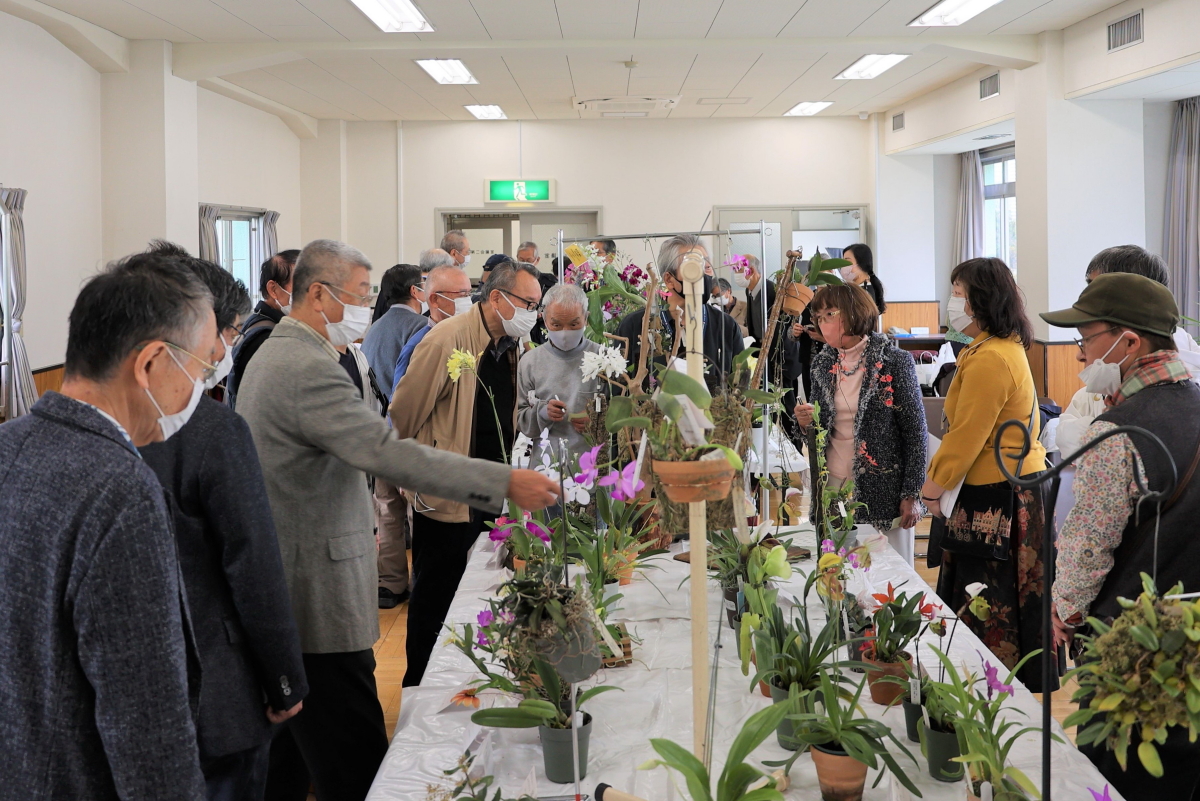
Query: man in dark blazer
246	638
784	351
275	287
94	634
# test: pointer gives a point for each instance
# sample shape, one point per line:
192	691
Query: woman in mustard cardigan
994	532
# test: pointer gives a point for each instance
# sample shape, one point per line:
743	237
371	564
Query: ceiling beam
197	60
103	50
302	125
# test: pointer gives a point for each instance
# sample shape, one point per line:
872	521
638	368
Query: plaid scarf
1160	367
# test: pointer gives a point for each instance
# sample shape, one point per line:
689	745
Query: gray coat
94	693
316	438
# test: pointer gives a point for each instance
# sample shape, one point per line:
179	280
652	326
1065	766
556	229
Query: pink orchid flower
626	484
588	470
992	673
538	530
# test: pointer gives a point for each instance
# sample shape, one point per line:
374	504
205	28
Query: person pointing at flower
459	395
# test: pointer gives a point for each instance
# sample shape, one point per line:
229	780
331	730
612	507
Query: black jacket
94	652
255	330
783	347
890	436
241	613
722	341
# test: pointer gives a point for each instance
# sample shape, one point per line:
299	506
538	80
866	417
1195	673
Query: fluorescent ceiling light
871	66
624	114
487	112
951	12
447	70
721	101
807	108
394	16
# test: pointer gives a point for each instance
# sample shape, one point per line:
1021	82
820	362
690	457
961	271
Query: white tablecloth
656	701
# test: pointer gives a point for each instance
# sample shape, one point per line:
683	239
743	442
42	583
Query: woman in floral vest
870	403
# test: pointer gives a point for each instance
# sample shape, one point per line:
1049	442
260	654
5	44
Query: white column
904	222
1080	183
323	196
149	163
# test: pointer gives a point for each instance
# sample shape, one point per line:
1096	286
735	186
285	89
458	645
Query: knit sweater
544	373
993	384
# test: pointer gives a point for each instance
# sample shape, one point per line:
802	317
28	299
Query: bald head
442	286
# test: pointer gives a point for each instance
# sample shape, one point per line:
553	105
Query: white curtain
968	227
1181	245
270	238
17	391
208	233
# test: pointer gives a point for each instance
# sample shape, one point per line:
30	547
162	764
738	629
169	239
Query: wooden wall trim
48	379
908	313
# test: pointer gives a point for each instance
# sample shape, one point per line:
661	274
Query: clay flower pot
796	299
885	693
625	571
842	777
692	482
518	566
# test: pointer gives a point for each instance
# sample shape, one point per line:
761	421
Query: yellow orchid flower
828	560
459	361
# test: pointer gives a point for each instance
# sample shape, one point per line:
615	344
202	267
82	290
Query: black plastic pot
940	747
912	717
737	628
556	751
785	732
730	594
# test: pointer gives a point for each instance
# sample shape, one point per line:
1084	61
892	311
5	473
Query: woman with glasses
992	533
870	403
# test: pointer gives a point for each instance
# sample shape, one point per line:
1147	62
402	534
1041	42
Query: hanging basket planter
796	299
692	482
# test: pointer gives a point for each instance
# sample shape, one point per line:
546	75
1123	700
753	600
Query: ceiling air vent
898	121
989	86
1125	32
624	106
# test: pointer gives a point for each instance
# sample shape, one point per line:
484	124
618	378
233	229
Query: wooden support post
691	274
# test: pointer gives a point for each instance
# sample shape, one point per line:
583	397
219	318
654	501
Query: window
1000	204
240	244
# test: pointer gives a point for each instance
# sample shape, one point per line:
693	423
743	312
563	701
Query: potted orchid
526	539
897	622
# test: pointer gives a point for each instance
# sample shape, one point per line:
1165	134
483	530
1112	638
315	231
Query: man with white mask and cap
1110	539
317	441
95	644
462	409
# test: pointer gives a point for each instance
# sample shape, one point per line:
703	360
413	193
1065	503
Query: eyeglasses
819	318
530	305
363	300
454	294
1080	342
237	340
209	369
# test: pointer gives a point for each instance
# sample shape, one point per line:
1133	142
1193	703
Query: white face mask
171	423
522	322
565	340
424	307
286	308
956	310
1101	377
354	323
466	260
462	305
847	273
740	280
223	368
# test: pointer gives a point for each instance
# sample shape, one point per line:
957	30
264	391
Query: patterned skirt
1014	583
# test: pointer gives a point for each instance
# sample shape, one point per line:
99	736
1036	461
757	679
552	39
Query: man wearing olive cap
1126	323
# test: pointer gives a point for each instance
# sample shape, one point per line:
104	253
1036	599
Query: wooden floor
391	662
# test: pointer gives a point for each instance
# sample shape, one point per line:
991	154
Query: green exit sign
519	191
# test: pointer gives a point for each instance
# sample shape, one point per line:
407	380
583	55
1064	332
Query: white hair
568	295
435	257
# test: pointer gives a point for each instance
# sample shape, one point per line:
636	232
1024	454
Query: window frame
226	216
1001	191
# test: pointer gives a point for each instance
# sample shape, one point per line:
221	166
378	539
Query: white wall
951	110
904	228
1156	144
946	172
371	192
249	158
51	149
647	175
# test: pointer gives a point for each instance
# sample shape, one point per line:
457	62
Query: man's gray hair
569	295
529	246
754	263
504	276
441	276
670	253
326	261
454	240
434	258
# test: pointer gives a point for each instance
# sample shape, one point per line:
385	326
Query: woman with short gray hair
551	393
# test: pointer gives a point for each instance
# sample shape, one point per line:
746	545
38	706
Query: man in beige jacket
472	415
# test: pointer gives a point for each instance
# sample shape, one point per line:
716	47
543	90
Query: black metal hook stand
1054	474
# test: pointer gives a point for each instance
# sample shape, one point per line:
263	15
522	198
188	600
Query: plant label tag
597	404
529	786
985	792
925	717
841	508
914	690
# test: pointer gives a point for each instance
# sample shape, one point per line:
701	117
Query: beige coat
436	411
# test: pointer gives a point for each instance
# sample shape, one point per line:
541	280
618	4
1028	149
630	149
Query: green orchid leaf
691	768
677	383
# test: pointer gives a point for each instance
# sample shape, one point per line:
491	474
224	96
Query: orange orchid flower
467	697
928	609
885	598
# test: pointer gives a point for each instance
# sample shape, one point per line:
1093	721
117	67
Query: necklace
843	368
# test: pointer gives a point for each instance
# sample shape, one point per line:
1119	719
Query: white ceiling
533	73
1175	84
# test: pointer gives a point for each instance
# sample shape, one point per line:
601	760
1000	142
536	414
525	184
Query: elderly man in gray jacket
317	441
95	645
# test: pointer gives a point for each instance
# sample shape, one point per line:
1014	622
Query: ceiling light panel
447	70
871	66
807	108
949	13
487	112
394	16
